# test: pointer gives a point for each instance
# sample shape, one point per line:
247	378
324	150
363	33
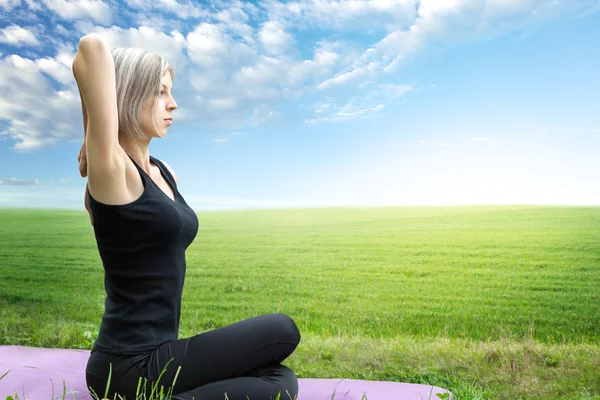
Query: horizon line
276	208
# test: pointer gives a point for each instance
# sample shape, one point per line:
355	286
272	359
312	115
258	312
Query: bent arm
83	111
94	71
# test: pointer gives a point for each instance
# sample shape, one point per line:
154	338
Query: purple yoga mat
46	374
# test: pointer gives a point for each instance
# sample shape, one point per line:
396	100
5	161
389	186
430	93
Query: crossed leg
235	362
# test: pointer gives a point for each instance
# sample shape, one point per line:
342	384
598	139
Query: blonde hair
138	75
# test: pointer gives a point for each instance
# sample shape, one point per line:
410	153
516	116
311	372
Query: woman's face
164	110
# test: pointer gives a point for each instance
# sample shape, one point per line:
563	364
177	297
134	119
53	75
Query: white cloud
34	5
236	19
353	73
70	10
170	46
183	10
342	15
359	107
18	36
274	39
38	114
322	64
228	137
227	68
156	22
34	105
448	22
258	81
595	7
353	109
209	45
18	182
9	5
61	30
241	62
224	103
58	67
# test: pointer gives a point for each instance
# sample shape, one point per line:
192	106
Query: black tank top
142	245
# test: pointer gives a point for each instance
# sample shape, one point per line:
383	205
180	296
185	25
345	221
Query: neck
138	149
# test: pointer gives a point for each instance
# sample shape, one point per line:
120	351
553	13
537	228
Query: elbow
91	43
89	40
92	50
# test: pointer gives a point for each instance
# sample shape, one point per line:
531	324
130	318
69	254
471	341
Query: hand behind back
82	160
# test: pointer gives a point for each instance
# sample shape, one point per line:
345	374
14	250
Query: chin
159	135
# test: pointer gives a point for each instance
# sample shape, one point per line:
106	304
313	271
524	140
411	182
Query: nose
172	105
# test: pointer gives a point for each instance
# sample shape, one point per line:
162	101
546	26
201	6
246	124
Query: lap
268	382
231	351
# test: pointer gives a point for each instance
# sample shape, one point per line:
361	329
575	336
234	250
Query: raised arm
83	112
94	71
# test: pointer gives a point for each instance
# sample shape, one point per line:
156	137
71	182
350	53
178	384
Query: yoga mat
47	374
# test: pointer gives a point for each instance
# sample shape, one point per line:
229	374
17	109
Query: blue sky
305	103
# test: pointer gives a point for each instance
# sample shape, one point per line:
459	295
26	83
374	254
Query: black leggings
235	362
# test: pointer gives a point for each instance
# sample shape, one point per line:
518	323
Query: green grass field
490	302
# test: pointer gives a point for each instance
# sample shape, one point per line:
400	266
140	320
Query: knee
289	329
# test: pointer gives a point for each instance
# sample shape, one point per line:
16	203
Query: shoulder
170	170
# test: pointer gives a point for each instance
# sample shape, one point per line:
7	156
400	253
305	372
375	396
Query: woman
143	226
